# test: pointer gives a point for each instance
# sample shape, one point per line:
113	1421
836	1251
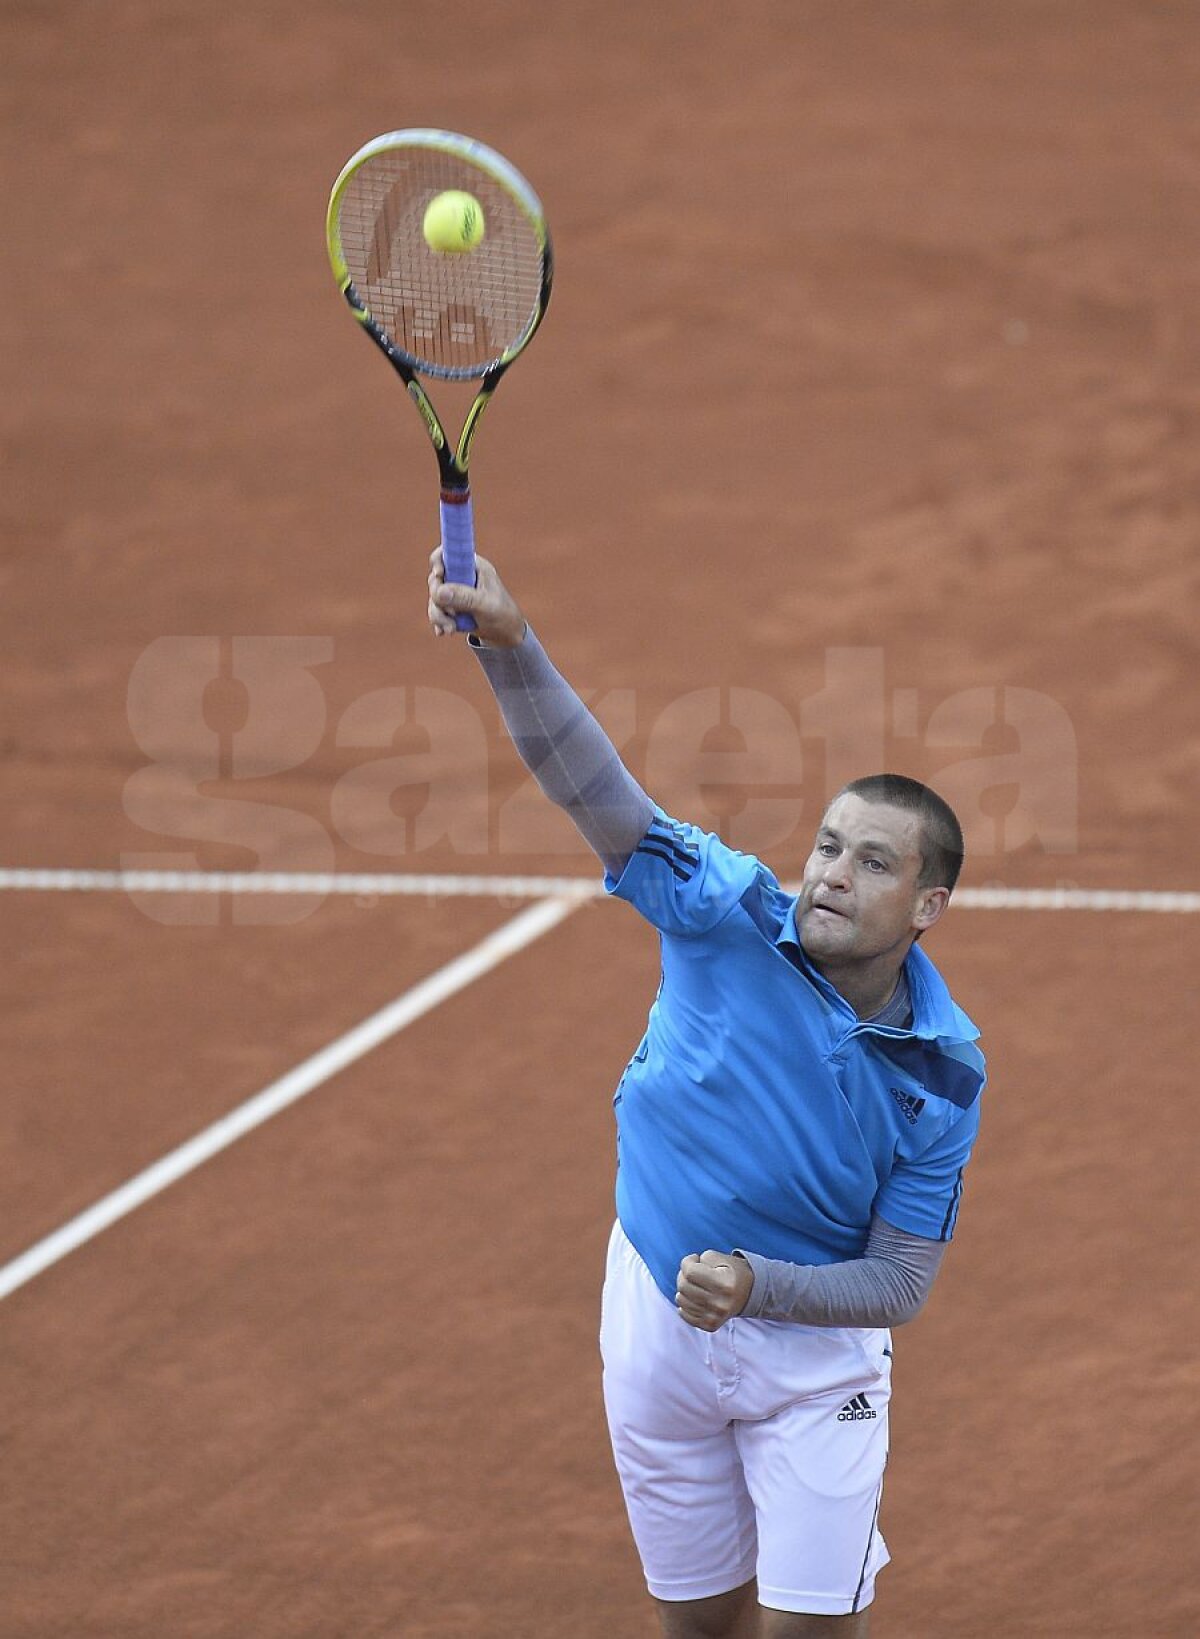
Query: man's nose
836	872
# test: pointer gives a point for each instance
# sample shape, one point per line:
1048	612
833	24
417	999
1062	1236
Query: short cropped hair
941	834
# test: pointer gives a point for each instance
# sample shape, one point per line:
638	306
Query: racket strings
455	315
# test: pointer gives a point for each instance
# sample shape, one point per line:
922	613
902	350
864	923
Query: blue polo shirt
759	1111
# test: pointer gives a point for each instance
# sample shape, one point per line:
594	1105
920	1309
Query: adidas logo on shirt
857	1410
910	1105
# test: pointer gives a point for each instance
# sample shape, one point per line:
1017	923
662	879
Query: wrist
498	641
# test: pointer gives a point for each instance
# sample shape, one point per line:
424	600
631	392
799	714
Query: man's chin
822	930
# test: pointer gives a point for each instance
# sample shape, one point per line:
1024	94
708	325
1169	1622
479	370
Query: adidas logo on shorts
857	1410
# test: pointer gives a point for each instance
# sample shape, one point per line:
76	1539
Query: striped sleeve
682	880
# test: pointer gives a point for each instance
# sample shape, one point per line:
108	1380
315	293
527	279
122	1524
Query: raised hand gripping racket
459	316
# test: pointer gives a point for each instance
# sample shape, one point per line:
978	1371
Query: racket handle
458	545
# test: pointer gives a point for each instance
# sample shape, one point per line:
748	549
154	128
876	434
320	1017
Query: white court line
522	930
301	882
530	887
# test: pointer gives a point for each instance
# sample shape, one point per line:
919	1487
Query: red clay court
862	429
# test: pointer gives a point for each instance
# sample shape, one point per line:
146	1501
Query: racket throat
471	425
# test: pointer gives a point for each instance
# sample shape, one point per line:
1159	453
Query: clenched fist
498	620
712	1287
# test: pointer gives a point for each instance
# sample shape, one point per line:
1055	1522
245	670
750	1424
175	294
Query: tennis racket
456	317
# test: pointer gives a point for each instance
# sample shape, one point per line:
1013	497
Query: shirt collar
939	1026
934	1012
789	933
788	941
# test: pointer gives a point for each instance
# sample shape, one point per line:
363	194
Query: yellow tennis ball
453	222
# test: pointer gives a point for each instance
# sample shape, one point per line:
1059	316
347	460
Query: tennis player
792	1133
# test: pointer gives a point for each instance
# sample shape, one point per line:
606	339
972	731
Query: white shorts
757	1450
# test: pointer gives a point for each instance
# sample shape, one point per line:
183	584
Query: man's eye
874	865
826	848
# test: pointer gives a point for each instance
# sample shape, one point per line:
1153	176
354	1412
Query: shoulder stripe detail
948	1221
684	873
656	831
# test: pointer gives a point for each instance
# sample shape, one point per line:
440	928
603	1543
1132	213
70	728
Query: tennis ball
453	223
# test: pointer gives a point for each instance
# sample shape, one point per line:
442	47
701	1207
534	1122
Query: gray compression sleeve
566	750
885	1287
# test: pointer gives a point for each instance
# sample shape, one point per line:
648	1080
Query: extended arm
887	1286
560	742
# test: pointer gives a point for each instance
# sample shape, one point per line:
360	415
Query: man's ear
931	902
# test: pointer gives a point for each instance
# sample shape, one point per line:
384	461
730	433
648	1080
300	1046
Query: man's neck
868	987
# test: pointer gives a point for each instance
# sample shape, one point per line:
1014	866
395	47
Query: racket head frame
453	458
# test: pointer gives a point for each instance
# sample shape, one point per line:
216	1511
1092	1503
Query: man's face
859	899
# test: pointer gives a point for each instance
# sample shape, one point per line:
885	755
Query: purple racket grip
458	546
